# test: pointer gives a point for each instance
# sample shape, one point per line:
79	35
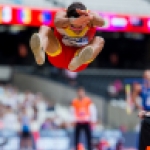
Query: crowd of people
17	107
26	112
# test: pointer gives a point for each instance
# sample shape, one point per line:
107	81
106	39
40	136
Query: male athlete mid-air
72	44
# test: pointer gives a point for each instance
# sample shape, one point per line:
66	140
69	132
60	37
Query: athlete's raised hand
93	17
82	20
85	13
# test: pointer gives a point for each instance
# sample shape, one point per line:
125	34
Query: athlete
144	109
72	44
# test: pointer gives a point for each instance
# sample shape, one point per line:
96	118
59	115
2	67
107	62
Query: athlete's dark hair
71	10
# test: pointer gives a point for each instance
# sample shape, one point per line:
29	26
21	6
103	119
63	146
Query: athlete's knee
99	44
100	41
44	29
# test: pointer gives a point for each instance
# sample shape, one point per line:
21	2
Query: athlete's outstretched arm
97	20
94	18
61	21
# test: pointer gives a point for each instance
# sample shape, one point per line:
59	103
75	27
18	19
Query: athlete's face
77	28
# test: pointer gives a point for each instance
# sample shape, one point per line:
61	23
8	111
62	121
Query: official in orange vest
84	115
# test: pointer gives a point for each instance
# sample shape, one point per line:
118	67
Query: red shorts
63	59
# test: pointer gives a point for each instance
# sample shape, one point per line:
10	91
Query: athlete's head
71	10
72	13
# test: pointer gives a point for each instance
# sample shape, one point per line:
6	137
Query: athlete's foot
84	56
36	47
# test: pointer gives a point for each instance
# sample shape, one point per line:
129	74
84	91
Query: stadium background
107	80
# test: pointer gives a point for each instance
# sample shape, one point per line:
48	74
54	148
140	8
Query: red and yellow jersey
70	38
64	54
70	43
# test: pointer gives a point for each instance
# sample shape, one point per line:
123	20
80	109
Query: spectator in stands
143	90
1	117
120	144
49	124
9	117
26	135
22	57
30	96
50	106
40	101
84	116
35	112
114	61
115	88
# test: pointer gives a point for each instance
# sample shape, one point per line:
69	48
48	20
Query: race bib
77	42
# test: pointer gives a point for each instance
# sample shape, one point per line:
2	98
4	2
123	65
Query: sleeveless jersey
70	38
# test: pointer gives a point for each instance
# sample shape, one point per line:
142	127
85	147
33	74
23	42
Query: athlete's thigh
53	43
63	57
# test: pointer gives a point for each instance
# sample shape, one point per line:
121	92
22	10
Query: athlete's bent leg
88	53
97	45
43	42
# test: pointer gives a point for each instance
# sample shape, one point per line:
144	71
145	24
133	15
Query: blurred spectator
115	88
30	96
143	90
50	106
123	128
11	99
35	112
26	135
114	61
28	105
103	145
26	109
84	116
120	144
23	55
40	102
22	50
49	124
9	117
